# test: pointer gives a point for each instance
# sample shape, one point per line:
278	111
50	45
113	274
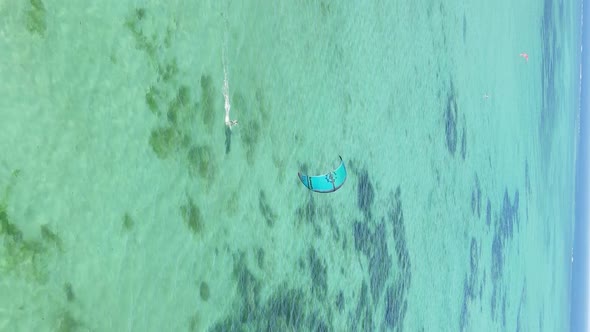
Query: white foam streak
228	122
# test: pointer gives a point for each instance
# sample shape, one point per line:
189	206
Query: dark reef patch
251	125
463	316
365	193
266	210
248	290
362	318
179	105
506	220
285	311
204	291
473	262
208	94
25	257
550	87
450	118
379	263
151	99
250	135
497	257
262	105
340	301
334	226
521	304
470	285
362	237
191	214
476	197
260	258
515	206
202	162
35	19
163	141
319	274
9	230
396	305
488	213
463	144
168	71
396	218
285	308
527	178
509	215
321	218
127	222
308	213
66	321
396	301
371	240
227	133
373	244
51	238
69	291
316	322
170	100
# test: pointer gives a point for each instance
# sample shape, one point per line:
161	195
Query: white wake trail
228	122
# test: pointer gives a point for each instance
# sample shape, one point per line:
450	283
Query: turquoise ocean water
126	204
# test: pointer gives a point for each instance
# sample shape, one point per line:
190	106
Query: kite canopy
326	183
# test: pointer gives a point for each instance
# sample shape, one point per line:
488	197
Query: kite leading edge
325	183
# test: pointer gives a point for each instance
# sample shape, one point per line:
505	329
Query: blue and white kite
326	183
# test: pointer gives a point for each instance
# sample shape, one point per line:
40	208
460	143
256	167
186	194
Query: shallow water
127	204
